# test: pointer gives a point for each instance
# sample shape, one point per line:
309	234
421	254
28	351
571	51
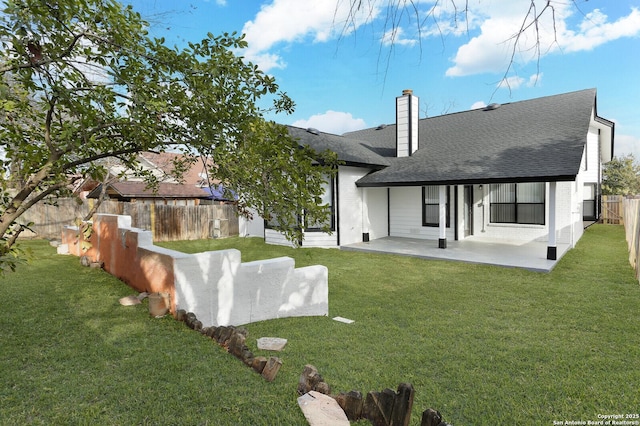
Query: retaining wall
216	286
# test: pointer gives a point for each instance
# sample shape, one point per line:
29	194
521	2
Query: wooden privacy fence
631	213
612	209
166	222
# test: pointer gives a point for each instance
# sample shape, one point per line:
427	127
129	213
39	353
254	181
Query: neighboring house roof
536	140
128	190
164	162
349	150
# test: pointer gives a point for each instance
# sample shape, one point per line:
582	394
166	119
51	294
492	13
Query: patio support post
552	249
442	241
365	215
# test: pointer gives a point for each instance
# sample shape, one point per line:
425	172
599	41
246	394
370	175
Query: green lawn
483	345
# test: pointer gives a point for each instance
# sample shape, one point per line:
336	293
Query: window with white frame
518	203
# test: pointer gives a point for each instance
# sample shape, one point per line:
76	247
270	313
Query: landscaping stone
431	417
351	403
258	364
181	314
189	319
322	410
271	343
271	368
323	387
247	357
129	301
225	335
402	406
236	344
309	379
378	407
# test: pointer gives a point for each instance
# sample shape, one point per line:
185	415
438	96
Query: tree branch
96	157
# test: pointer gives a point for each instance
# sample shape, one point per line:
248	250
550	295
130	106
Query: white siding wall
591	161
276	238
402	126
349	211
378	211
407	117
253	227
415	109
406	215
311	239
320	239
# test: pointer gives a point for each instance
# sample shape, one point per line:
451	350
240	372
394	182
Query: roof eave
474	181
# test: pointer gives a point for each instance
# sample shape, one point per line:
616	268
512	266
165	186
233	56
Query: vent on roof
313	131
380	127
491	107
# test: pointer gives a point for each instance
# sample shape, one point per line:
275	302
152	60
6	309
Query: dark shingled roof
535	140
349	150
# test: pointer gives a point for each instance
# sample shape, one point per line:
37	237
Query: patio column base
442	243
552	253
365	237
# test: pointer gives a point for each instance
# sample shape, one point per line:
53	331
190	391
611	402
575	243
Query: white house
523	171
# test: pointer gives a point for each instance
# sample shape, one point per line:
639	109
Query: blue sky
343	80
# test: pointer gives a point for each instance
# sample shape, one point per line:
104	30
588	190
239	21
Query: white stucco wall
350	207
221	290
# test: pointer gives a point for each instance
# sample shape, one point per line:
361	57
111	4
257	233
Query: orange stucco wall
143	269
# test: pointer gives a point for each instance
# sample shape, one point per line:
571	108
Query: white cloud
290	21
595	31
626	144
515	82
478	105
395	37
332	122
511	83
491	50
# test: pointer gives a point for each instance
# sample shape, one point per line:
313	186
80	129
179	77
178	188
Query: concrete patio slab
531	255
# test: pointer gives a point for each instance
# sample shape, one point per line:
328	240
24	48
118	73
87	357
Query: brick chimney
407	114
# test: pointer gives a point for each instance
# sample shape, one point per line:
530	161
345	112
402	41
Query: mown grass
483	345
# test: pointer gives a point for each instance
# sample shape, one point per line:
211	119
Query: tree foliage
621	176
82	81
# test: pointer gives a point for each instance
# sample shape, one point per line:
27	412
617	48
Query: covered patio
531	256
